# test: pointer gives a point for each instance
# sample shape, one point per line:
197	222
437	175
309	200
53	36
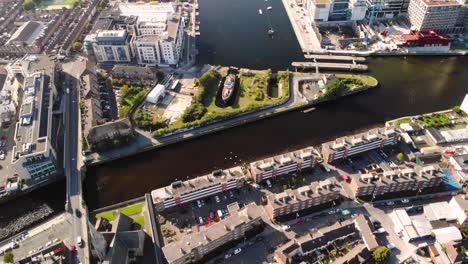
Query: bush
400	156
77	46
381	254
9	257
335	88
29	5
457	109
194	112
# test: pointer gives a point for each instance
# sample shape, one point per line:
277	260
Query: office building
182	192
438	15
34	155
336	10
306	197
193	247
283	164
342	148
110	46
386	9
396	181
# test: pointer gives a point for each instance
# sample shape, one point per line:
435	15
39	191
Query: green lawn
458	47
110	215
132	209
56	4
366	79
140	220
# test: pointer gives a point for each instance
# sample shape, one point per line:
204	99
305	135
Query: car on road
269	183
285	227
227	256
325	168
405	201
217	199
200	220
391	246
237	251
390	203
380	231
79	241
199	204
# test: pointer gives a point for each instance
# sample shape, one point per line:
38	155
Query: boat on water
271	32
269	8
260	11
228	88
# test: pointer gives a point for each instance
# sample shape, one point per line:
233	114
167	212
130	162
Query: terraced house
342	148
283	164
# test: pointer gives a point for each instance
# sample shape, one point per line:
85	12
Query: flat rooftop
440	2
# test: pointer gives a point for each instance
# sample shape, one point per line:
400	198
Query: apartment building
396	181
110	46
193	247
342	148
441	16
283	164
336	10
34	156
386	9
182	192
293	201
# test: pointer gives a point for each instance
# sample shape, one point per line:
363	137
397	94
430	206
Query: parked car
199	204
405	201
79	241
268	183
390	203
217	199
200	220
227	256
237	251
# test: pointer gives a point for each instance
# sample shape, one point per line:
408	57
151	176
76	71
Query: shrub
9	257
381	254
457	109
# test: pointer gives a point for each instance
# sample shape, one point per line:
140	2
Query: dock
334	57
330	66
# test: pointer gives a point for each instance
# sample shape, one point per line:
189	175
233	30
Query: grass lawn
458	47
366	79
402	121
132	209
56	4
110	215
140	220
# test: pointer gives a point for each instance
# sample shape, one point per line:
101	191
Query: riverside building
283	164
182	192
396	181
292	201
342	148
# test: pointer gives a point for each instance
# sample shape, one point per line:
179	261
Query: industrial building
342	148
292	201
193	247
182	192
409	179
283	164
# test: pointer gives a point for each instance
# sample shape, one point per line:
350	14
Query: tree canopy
381	254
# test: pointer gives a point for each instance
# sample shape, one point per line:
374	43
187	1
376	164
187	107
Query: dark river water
233	33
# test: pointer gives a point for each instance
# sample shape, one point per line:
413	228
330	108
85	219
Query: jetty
335	57
330	66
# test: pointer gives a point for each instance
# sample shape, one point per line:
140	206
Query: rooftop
440	2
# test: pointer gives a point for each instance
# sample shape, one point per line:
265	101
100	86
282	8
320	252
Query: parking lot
199	214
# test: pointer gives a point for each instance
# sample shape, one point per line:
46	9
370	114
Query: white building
437	15
464	105
447	234
336	10
155	95
110	45
459	205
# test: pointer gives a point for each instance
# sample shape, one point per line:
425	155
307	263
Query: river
234	33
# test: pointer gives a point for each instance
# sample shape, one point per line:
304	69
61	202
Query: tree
457	109
381	254
464	229
77	46
9	257
335	88
29	5
400	156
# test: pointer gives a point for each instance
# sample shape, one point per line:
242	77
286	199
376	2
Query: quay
330	66
334	57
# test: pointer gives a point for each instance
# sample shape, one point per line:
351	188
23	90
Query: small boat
269	8
260	11
228	87
271	31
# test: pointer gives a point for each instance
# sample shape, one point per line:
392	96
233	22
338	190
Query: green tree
457	109
9	257
400	156
335	88
77	46
29	5
381	254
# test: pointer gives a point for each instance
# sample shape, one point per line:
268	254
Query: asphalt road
71	152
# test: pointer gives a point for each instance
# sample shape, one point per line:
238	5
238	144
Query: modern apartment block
193	247
344	147
110	45
150	34
336	10
182	192
441	16
386	9
34	156
396	181
292	201
283	164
